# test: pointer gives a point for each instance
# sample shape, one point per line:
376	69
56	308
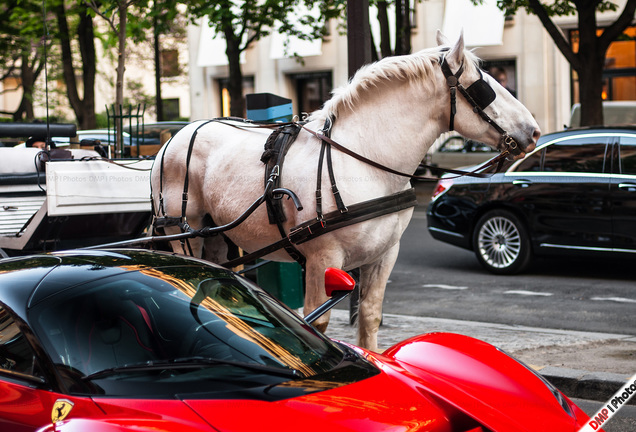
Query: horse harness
479	95
276	147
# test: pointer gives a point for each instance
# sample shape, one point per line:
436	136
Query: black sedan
575	194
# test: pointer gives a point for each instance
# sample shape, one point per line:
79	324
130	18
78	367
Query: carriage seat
18	160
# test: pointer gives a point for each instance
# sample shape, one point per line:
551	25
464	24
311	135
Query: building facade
536	71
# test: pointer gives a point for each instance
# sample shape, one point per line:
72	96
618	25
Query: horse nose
536	133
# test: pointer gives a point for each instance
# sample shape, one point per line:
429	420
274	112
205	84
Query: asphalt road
434	279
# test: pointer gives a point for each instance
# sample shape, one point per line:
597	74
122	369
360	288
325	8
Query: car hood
438	382
378	403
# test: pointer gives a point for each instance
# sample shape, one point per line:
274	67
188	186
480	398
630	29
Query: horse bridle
479	95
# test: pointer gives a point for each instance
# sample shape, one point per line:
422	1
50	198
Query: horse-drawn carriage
67	196
208	180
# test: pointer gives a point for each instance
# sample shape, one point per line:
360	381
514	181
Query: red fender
486	383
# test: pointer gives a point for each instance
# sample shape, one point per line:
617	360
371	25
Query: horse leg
216	249
315	294
373	279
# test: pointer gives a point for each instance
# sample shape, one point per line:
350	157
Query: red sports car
131	340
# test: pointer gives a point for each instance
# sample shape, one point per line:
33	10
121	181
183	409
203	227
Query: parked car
455	151
155	133
575	194
145	140
133	340
615	113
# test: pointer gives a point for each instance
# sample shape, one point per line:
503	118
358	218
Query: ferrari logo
61	408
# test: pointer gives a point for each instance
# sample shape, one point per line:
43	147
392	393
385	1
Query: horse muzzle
512	147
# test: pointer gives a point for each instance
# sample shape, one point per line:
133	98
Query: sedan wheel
501	243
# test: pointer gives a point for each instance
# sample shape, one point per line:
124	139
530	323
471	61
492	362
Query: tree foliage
243	22
589	60
23	40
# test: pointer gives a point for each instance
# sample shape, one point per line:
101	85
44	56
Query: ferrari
133	340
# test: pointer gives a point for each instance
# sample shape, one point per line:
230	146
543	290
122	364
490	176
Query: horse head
482	109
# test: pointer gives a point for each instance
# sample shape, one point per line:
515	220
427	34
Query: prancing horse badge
61	408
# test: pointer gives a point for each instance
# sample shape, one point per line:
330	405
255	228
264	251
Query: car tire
501	243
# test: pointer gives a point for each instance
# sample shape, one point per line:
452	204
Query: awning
284	46
482	24
212	47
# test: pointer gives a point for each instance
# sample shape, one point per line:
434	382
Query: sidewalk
583	365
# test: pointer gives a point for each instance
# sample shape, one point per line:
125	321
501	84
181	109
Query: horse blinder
481	92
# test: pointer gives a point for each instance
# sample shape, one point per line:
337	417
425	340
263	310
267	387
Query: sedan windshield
186	324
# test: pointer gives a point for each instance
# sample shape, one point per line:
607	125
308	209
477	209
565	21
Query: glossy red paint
437	382
338	280
23	408
120	425
486	383
381	403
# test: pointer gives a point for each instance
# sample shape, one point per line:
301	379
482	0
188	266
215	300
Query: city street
434	279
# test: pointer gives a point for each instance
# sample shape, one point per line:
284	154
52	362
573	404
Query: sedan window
532	163
628	155
575	157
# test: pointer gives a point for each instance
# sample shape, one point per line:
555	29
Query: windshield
181	316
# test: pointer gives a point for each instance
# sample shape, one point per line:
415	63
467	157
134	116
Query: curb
574	383
581	384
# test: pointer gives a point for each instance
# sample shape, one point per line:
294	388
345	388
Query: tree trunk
119	86
235	86
84	109
28	77
385	37
402	27
86	39
592	61
157	49
590	91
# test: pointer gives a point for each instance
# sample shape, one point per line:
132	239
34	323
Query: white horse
390	112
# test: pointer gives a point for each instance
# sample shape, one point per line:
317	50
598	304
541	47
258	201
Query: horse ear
456	54
441	38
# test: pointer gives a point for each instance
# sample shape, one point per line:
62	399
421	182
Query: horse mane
413	67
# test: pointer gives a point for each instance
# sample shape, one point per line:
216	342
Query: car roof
26	281
588	129
542	140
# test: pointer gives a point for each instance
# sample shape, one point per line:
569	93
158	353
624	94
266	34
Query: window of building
170	63
619	75
313	89
248	87
504	71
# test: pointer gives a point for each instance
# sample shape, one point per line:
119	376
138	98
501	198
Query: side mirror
338	285
338	280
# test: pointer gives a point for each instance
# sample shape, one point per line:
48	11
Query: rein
497	160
